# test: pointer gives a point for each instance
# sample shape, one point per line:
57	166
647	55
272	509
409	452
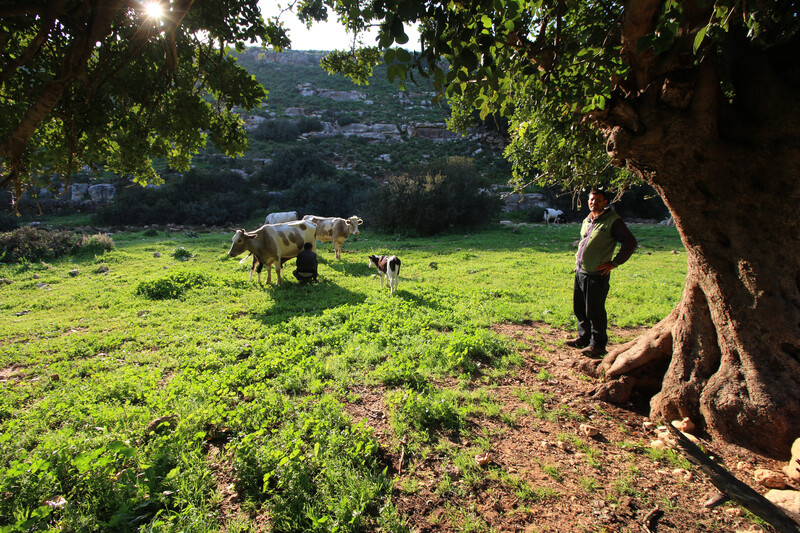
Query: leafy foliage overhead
113	83
545	64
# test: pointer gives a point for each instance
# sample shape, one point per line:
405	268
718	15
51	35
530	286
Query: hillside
373	130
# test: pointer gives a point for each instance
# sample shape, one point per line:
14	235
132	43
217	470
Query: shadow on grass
292	299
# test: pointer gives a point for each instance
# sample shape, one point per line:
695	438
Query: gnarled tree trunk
728	356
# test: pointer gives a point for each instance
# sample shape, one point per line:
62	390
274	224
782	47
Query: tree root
655	344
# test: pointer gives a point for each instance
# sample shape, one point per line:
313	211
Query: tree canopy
118	82
554	68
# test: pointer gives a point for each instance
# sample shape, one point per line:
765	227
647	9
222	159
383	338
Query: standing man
306	265
600	233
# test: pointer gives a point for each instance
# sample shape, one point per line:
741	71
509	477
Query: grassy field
128	380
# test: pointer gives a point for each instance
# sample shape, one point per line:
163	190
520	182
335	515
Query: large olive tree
114	83
699	99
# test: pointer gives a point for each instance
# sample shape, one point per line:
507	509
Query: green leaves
138	95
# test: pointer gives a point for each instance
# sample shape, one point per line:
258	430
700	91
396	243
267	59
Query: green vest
597	248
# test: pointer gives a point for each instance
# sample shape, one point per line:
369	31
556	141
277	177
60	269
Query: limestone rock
102	192
768	478
434	131
685	425
792	471
785	499
78	191
589	430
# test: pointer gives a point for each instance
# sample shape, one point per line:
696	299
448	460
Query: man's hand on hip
606	268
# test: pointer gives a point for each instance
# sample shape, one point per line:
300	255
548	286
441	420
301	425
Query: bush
197	197
281	130
95	244
292	165
338	196
31	244
8	221
173	285
432	198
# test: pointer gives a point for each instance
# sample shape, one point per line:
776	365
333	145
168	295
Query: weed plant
127	390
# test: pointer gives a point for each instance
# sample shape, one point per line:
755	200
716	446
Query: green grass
262	375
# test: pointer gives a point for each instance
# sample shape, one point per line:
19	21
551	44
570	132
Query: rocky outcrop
522	202
251	122
102	192
78	192
381	132
434	131
308	89
294	58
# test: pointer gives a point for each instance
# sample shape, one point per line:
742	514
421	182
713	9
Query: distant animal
552	215
273	244
277	218
388	266
334	229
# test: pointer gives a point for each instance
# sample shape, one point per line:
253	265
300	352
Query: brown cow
336	230
273	243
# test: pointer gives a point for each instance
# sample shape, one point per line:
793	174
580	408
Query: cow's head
354	222
240	242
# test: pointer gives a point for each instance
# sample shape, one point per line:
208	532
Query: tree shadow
292	299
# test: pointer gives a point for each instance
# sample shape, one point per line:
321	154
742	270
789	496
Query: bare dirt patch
545	473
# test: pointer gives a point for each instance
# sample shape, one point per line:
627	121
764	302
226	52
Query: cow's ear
360	221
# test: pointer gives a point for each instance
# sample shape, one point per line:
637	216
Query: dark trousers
589	305
304	277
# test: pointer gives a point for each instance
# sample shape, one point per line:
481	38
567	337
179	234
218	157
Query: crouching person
306	265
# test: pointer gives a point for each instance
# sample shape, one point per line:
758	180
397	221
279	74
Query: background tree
700	100
117	82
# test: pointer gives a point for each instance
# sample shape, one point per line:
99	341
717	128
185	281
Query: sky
322	36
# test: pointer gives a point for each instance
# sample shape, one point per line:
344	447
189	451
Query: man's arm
623	235
628	242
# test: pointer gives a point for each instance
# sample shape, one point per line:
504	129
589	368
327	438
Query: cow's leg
337	247
252	268
278	268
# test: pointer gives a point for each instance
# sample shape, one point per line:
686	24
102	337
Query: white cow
336	230
273	243
277	218
552	215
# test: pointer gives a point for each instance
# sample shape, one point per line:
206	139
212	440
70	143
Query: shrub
197	197
292	165
281	130
182	253
173	285
433	197
8	221
32	244
309	124
95	244
338	196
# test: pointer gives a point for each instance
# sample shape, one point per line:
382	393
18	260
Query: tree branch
41	36
735	489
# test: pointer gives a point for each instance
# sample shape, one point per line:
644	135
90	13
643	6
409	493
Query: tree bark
730	175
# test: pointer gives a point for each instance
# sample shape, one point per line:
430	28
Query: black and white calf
389	266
